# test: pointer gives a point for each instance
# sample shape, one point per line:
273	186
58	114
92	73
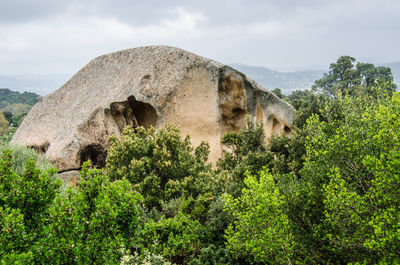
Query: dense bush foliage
24	201
160	164
326	194
14	119
3	124
354	164
261	230
92	223
21	155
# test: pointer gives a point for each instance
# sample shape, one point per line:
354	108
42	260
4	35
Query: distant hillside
15	102
286	81
6	95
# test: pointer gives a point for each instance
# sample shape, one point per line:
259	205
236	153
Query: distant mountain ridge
296	80
286	81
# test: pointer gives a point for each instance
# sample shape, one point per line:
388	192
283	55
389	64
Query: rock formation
148	86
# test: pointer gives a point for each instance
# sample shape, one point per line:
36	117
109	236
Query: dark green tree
8	115
346	77
278	93
351	170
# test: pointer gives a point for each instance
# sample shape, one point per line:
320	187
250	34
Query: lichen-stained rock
148	86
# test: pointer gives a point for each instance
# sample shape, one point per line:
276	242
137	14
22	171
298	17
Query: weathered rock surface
148	86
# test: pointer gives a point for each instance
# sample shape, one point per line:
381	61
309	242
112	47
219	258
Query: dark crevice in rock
238	112
232	103
276	124
41	149
96	153
69	170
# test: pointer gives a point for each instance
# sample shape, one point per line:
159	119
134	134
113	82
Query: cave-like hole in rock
145	114
133	113
96	153
238	112
287	129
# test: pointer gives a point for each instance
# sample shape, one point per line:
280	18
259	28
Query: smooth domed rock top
147	86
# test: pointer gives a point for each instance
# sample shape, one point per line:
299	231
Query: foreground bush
41	223
21	155
24	203
352	170
92	223
260	231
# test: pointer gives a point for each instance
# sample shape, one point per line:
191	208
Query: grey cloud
273	33
145	12
26	10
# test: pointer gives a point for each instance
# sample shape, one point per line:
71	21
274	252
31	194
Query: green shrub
24	202
247	152
22	154
260	231
146	258
177	238
161	165
90	224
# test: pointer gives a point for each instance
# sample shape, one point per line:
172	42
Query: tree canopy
348	77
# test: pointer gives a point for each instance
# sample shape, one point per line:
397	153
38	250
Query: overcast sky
51	36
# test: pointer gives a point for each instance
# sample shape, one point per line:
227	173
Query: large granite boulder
148	86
